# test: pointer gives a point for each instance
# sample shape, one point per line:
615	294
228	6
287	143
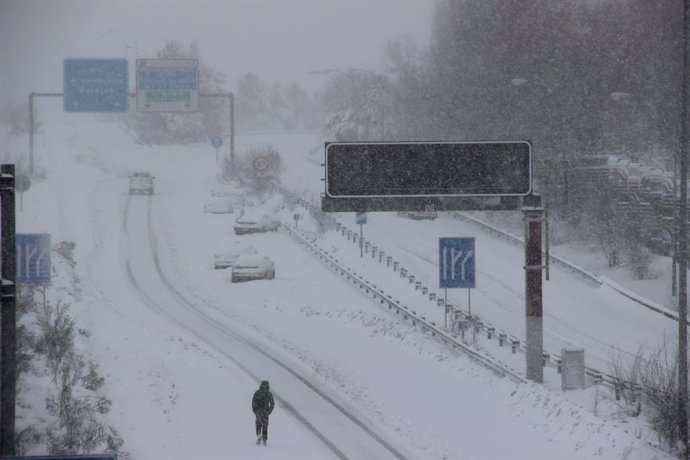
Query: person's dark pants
262	426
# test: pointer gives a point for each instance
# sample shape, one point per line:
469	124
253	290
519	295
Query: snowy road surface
337	428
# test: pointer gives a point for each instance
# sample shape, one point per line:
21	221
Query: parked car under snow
252	267
219	205
226	257
251	222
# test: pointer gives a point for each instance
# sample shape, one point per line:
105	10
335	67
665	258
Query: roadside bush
652	387
49	363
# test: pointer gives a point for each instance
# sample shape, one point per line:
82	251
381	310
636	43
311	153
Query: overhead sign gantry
417	176
446	176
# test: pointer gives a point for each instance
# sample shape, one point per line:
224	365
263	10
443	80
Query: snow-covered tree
184	127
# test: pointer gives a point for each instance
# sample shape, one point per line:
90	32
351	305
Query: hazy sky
280	40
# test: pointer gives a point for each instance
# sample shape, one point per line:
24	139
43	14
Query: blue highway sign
217	141
96	85
33	258
456	262
361	217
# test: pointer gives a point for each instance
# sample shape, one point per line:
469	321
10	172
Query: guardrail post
558	363
374	250
432	296
380	256
502	339
417	285
396	266
546	358
411	279
515	345
462	326
425	290
389	259
490	332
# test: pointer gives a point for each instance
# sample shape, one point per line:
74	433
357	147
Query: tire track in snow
189	306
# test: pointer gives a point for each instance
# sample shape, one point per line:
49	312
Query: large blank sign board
404	176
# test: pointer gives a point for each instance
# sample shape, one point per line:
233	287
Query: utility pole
683	246
8	312
231	107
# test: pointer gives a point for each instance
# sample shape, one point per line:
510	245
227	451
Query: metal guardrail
503	337
573	268
385	299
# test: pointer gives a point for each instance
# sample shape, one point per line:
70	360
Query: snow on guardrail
473	322
599	280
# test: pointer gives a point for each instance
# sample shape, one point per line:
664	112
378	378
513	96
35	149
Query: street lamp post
127	36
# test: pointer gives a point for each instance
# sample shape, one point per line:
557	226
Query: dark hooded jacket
262	402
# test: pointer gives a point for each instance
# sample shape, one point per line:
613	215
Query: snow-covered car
228	190
220	205
141	183
250	222
252	267
419	215
226	257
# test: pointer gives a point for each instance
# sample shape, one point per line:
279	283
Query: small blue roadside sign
361	217
33	258
96	85
217	141
456	262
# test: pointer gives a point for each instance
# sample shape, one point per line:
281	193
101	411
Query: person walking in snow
262	405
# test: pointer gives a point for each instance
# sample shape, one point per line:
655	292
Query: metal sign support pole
683	245
31	133
469	302
8	312
231	103
232	130
31	125
361	240
534	336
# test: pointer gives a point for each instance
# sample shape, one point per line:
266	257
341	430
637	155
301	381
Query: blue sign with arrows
456	262
33	258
